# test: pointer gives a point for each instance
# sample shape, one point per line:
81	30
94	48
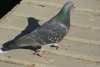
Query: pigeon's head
69	5
65	11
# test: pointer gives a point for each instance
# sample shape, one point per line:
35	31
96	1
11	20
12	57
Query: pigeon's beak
73	6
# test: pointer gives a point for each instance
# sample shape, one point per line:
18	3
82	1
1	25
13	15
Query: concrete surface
84	5
3	64
82	45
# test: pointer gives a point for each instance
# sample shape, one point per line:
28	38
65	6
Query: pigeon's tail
3	49
7	47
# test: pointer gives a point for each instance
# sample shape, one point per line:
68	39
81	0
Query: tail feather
1	50
7	47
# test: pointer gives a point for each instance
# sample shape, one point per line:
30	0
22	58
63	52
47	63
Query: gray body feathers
52	31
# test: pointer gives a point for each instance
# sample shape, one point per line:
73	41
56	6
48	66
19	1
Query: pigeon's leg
58	46
40	52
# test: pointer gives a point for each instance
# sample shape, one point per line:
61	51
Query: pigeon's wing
46	34
26	40
50	33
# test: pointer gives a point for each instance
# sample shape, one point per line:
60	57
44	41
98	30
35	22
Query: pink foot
41	53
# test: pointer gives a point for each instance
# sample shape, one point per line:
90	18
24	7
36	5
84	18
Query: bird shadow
32	25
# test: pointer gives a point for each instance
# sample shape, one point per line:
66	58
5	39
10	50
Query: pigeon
50	33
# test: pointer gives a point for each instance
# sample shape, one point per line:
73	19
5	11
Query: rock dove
50	33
